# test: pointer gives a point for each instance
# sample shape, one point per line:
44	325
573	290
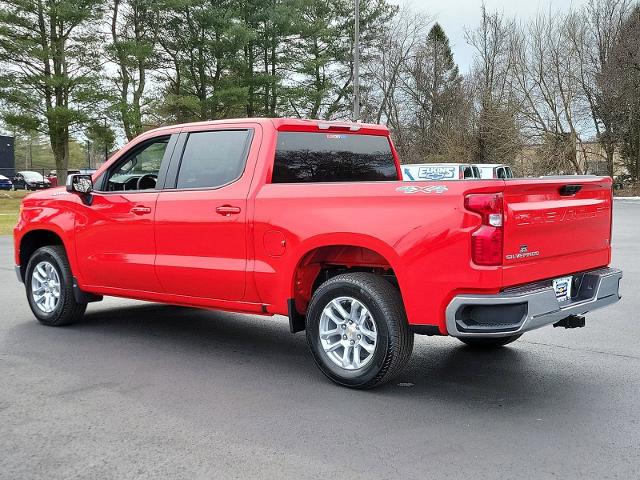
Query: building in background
7	156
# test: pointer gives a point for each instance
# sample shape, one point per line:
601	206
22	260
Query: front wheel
49	285
357	330
489	342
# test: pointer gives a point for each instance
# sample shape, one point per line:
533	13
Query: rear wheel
357	330
49	286
489	342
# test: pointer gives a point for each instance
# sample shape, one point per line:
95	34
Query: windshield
33	176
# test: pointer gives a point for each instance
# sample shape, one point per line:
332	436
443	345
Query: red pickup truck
309	219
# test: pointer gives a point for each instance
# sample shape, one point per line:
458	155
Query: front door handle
140	210
227	210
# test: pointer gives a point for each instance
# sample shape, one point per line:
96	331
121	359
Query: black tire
394	343
488	343
68	310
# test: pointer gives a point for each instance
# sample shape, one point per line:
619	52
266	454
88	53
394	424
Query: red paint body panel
185	251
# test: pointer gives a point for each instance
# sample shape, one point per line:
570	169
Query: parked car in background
439	171
28	180
5	183
53	176
495	170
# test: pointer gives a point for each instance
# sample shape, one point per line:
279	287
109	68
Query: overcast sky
455	15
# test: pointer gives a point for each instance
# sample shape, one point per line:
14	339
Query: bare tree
623	79
497	133
546	79
387	101
593	32
399	41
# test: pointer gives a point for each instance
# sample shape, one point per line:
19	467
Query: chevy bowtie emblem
419	189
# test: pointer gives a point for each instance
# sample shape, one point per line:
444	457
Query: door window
138	171
501	173
213	159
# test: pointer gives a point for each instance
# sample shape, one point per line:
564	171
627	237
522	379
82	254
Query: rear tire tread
388	299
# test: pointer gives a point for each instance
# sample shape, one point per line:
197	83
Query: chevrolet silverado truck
310	220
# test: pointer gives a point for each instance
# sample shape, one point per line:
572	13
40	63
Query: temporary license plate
562	287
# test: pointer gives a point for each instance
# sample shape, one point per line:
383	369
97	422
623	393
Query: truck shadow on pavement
239	348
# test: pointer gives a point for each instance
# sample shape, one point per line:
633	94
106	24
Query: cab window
311	157
213	159
138	171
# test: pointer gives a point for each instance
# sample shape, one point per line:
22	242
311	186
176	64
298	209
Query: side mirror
79	183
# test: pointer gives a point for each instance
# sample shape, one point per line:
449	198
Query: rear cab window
308	157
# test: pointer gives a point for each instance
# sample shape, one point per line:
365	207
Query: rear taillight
487	239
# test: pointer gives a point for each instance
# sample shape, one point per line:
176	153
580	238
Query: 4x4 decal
426	189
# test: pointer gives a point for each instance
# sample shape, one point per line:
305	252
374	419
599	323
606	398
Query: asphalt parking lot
149	391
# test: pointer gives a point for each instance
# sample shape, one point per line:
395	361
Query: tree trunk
59	137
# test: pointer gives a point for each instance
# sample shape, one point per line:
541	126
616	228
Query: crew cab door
115	242
201	214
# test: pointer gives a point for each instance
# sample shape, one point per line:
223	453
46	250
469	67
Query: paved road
147	391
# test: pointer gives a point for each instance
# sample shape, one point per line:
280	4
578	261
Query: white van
439	171
495	170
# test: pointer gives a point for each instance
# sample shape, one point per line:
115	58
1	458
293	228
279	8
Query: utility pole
106	148
356	63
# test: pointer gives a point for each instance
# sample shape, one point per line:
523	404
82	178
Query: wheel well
33	241
323	263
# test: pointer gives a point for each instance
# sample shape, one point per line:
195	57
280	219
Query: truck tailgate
555	226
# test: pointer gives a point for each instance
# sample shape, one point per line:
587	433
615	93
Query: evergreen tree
134	29
49	68
434	85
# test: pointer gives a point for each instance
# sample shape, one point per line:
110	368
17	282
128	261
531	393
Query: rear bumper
520	309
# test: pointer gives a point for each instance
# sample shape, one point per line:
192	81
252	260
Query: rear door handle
227	210
140	210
